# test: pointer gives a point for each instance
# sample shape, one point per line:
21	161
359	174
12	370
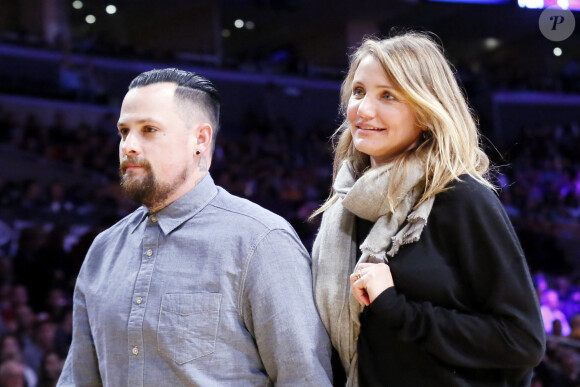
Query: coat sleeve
279	311
504	329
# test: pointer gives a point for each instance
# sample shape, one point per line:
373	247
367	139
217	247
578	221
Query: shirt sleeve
504	329
278	309
81	368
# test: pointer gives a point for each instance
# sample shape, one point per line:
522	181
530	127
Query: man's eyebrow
141	121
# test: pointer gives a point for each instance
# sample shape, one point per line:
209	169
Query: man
12	374
196	287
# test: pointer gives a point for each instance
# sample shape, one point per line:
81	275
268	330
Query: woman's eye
389	96
150	129
357	92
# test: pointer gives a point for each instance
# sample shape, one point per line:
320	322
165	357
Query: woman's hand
369	280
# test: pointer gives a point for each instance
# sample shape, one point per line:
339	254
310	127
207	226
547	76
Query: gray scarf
334	250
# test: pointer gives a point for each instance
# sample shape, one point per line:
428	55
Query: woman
51	369
438	293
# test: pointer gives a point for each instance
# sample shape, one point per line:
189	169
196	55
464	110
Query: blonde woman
418	274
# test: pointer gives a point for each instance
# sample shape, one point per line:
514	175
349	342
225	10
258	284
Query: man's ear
203	139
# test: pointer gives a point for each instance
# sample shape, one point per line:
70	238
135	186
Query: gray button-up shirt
212	290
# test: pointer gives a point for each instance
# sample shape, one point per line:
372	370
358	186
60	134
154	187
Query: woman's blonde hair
450	143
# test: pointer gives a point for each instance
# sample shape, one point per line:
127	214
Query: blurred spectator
553	316
26	322
10	353
44	336
575	326
569	373
51	368
63	334
12	374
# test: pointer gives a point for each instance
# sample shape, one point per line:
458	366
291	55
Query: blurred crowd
79	79
541	193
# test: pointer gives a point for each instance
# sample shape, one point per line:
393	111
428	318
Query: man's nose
130	144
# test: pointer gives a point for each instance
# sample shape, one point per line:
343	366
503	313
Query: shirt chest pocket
188	325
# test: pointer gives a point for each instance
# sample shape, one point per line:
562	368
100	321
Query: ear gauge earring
197	153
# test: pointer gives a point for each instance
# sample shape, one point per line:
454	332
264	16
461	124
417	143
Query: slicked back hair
192	90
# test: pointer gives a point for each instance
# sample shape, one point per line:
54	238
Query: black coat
463	311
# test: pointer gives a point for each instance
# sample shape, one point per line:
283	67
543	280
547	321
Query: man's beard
145	190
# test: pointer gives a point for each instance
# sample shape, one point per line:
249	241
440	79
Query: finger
363	299
356	275
360	296
360	293
353	278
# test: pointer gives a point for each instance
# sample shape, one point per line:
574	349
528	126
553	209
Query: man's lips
132	163
131	167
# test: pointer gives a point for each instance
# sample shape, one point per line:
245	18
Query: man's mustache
133	161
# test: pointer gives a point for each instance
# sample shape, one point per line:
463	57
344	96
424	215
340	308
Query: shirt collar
184	208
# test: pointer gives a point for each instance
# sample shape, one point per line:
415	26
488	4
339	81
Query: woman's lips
370	129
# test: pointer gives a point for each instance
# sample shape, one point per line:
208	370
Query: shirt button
139	300
149	252
135	351
153	218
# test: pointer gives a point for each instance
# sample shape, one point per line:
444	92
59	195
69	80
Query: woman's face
382	124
